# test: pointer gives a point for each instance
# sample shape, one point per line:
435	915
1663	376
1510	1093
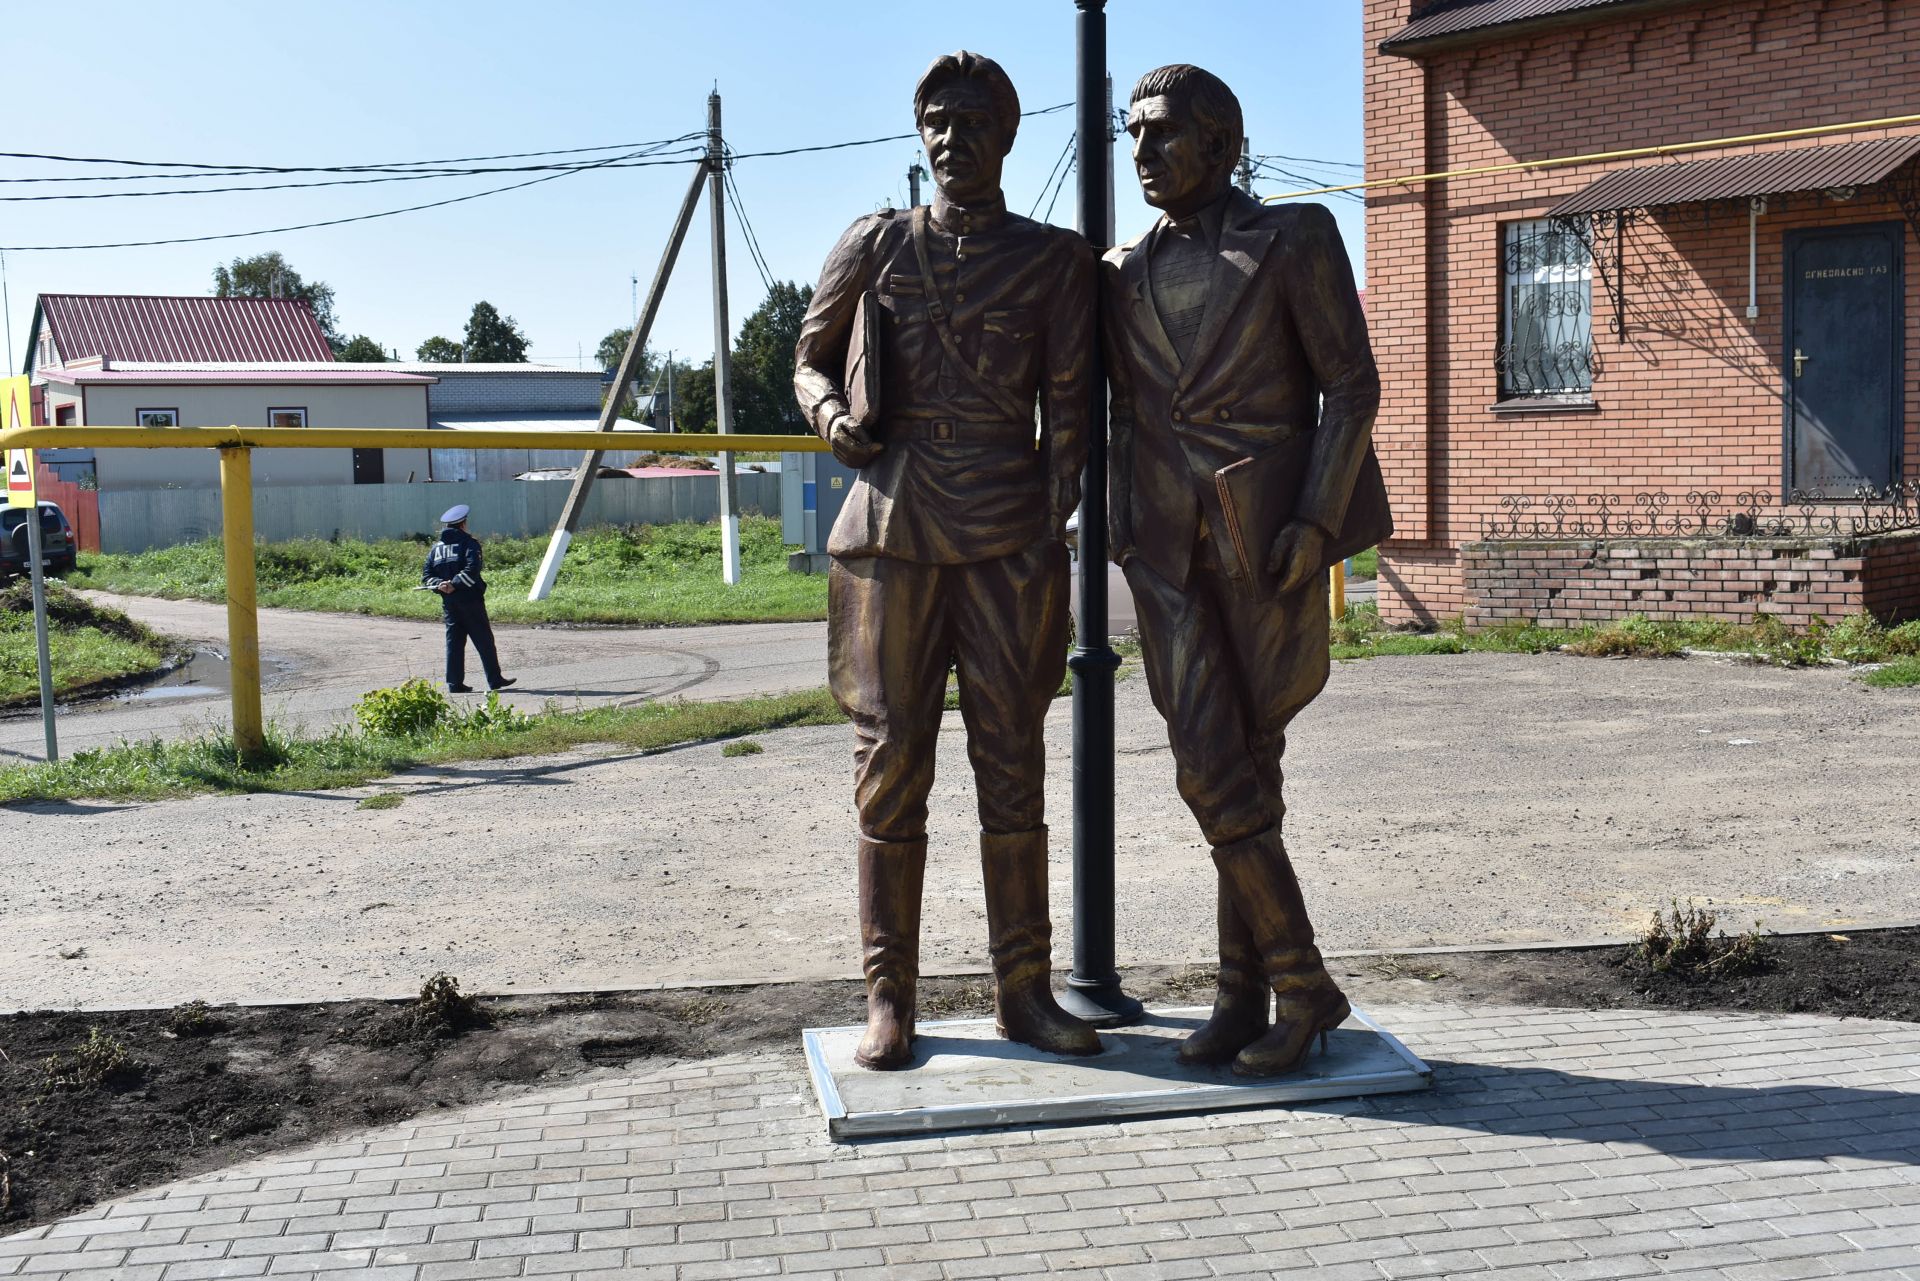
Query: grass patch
1901	673
648	574
1367	564
349	757
1359	633
742	747
384	801
89	645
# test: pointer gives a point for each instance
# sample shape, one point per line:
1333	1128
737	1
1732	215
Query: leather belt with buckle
948	431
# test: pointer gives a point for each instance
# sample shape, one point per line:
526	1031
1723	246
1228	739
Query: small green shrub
101	1059
405	711
1637	637
1682	942
443	1010
742	747
380	801
494	715
195	1018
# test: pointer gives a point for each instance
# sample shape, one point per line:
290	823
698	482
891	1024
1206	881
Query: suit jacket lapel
1243	245
1134	274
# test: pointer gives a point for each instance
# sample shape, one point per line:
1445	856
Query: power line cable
616	162
1309	160
330	222
1048	180
868	142
746	228
1060	186
391	166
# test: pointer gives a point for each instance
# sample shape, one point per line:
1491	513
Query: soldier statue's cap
454	514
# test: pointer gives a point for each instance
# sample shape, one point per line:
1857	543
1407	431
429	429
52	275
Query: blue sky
357	83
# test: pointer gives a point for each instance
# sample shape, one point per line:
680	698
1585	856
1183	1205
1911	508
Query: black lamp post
1093	989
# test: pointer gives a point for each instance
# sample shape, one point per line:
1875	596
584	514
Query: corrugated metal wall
136	520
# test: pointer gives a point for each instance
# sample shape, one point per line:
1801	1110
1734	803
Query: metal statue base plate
964	1077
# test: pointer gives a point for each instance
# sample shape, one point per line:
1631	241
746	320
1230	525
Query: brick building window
1546	311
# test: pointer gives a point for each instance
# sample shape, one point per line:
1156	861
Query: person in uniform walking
453	570
949	552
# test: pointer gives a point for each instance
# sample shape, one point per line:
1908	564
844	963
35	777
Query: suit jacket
957	482
1282	350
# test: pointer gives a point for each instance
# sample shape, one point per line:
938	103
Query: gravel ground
1448	800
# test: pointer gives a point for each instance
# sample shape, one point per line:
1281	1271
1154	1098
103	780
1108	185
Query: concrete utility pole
722	345
1245	168
610	412
914	174
1093	989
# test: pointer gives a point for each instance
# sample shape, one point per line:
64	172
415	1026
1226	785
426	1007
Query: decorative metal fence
1705	513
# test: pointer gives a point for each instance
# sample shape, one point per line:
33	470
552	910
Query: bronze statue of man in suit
949	552
1234	332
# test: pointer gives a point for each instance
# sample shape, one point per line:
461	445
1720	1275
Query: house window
286	418
156	417
1546	322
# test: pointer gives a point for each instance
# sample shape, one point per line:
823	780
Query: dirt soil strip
1451	800
208	1090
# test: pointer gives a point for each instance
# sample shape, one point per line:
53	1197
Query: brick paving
1557	1146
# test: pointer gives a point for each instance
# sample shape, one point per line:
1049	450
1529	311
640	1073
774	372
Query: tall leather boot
1258	875
1020	940
1240	996
891	875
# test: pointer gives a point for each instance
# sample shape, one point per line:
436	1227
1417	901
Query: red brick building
1655	384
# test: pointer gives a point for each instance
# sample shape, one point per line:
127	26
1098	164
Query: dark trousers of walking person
467	621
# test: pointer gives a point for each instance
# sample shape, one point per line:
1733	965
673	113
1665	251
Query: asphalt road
315	666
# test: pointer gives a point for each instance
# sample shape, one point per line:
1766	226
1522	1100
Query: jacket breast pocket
1009	347
909	335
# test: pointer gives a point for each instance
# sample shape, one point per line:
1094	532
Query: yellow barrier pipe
1337	590
243	623
390	438
1597	157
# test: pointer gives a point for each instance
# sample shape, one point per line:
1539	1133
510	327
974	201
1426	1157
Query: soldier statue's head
968	113
1187	131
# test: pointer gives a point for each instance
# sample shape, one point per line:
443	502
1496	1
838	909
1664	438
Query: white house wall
115	405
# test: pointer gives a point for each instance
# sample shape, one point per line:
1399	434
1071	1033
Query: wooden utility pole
610	412
722	344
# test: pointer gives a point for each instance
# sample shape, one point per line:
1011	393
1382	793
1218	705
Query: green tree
361	349
269	275
763	364
439	351
693	407
492	337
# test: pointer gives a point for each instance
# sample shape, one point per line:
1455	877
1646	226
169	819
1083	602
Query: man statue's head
1187	131
967	113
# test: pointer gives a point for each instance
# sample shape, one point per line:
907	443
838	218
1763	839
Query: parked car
57	545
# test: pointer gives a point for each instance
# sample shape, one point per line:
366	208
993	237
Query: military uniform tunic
947	552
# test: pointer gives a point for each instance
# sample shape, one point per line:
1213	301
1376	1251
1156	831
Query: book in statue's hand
863	363
1258	496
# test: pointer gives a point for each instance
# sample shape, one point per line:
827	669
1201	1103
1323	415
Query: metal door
369	466
1843	357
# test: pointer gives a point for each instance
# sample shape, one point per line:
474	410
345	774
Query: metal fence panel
139	520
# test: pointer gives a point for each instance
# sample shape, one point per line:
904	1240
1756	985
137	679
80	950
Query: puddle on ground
204	675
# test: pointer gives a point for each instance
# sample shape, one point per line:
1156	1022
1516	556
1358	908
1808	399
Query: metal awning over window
1843	167
1601	212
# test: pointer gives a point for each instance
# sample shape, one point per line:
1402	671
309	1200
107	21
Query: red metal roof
141	327
310	374
1454	22
1766	173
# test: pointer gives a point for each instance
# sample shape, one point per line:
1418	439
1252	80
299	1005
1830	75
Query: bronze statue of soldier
1235	336
949	551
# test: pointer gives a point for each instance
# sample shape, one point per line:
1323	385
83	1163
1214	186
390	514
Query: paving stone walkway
1556	1145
